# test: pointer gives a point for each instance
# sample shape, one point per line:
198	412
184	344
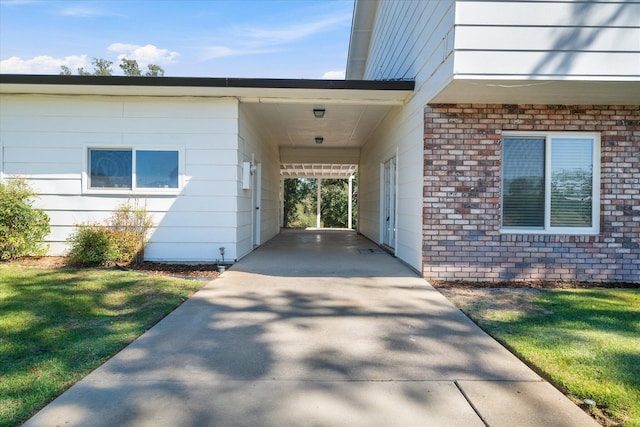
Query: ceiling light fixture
318	112
319	140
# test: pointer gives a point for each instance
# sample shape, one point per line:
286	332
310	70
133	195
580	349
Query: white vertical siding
45	140
251	144
597	40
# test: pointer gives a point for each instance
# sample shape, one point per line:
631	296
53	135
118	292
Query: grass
585	341
57	325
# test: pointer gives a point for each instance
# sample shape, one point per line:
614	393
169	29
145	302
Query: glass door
389	203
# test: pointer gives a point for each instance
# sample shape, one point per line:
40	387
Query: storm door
389	203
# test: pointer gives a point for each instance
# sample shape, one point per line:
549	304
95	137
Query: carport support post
349	221
319	202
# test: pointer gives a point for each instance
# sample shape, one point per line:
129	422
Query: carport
320	127
235	141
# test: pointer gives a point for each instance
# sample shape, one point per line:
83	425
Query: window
156	169
550	183
137	170
110	168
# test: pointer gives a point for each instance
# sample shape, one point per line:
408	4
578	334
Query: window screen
571	182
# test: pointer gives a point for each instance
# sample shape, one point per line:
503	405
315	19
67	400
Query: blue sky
201	38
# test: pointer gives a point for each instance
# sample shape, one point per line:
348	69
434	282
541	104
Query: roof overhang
557	92
246	90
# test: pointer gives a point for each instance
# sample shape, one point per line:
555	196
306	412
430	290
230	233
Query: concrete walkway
314	329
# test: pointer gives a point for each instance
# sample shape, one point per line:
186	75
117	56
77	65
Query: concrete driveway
314	329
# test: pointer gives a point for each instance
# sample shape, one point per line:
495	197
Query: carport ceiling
347	125
294	125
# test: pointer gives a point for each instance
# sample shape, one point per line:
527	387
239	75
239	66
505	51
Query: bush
22	227
121	239
129	227
92	244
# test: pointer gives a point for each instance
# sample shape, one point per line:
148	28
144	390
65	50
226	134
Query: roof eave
394	92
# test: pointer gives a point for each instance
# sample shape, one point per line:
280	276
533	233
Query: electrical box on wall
246	175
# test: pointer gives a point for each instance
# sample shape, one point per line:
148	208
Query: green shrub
121	239
22	227
129	226
92	244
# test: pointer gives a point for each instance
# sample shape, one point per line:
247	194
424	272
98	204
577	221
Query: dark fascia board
34	79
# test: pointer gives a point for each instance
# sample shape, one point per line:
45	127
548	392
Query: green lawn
585	341
58	325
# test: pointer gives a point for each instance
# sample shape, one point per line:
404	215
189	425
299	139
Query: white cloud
334	75
43	64
261	36
145	55
86	10
255	41
82	11
17	2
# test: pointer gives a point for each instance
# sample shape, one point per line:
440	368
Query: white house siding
411	40
399	135
44	139
435	42
595	40
252	147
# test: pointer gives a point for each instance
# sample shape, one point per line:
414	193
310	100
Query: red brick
466	139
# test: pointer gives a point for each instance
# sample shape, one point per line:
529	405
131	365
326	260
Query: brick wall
461	209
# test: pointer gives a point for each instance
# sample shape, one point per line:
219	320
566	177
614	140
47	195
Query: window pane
110	168
571	182
523	182
157	169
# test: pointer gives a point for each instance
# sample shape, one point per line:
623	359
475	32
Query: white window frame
134	190
595	205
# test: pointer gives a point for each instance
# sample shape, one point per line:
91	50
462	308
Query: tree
300	202
297	192
130	67
335	203
155	71
102	67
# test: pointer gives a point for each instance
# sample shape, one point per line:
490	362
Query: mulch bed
461	284
202	271
189	271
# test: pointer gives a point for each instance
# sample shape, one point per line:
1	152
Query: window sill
133	192
554	232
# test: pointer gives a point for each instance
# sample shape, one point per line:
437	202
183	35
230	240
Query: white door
389	203
256	189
